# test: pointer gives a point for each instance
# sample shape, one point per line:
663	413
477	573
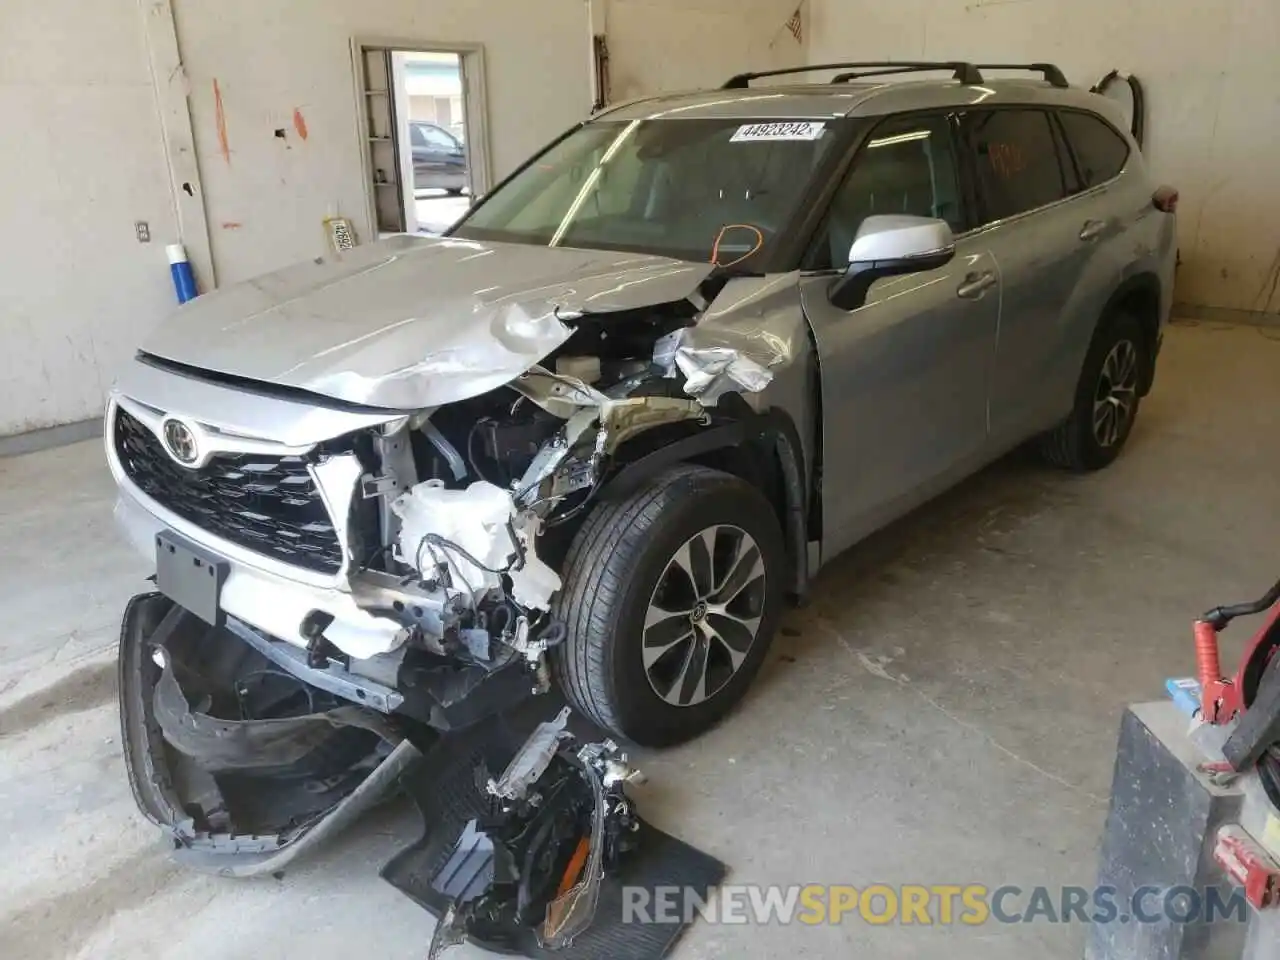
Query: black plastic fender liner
634	475
1147	287
152	620
773	426
798	488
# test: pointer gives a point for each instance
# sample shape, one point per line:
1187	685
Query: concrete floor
944	712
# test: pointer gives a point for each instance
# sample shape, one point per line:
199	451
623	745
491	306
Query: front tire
671	598
1107	399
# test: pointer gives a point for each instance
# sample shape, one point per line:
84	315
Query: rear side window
1100	152
1017	161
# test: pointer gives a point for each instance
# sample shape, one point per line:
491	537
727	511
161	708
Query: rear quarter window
1100	152
1017	161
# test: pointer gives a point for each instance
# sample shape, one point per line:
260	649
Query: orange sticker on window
1007	159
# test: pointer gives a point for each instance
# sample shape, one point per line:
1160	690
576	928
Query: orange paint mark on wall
299	123
224	145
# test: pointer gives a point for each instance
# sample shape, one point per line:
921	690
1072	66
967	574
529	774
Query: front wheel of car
671	598
1107	399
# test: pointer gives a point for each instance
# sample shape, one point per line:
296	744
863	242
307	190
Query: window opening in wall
435	120
424	162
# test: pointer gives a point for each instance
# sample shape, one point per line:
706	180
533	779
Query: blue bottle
184	281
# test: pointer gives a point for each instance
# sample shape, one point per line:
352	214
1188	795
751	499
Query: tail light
1166	200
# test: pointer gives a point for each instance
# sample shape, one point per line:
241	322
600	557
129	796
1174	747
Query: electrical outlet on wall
143	230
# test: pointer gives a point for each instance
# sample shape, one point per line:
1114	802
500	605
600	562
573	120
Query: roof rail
966	73
853	75
1049	71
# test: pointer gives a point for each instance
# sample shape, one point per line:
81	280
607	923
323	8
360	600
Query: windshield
701	190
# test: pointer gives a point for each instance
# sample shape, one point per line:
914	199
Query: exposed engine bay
469	518
465	502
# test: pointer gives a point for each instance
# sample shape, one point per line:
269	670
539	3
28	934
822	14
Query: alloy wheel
1116	397
704	615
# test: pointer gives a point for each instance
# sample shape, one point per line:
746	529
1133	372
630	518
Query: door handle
1092	229
976	284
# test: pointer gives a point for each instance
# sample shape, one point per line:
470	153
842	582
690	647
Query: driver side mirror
890	246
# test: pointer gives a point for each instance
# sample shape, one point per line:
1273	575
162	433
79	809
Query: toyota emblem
180	441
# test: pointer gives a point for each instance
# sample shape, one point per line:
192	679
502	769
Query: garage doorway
423	132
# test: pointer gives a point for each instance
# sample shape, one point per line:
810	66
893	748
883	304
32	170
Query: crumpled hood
410	322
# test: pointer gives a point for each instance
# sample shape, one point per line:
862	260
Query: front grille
267	504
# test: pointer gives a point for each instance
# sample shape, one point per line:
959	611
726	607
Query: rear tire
1108	396
636	661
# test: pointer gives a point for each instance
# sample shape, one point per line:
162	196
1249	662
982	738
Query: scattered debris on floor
535	860
245	764
560	821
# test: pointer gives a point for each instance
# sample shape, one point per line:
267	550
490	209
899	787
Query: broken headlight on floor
559	821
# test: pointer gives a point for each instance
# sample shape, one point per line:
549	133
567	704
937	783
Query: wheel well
761	471
768	462
761	449
1139	297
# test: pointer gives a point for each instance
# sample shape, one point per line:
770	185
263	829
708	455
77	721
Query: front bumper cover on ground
238	797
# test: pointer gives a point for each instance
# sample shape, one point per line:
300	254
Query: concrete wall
267	202
661	45
1213	86
81	159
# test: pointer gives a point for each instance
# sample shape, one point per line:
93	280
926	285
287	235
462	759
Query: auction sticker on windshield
794	130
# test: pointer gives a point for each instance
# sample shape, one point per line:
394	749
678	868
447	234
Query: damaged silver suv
595	435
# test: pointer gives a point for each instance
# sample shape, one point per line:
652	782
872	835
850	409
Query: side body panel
1055	286
1061	266
904	391
901	378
